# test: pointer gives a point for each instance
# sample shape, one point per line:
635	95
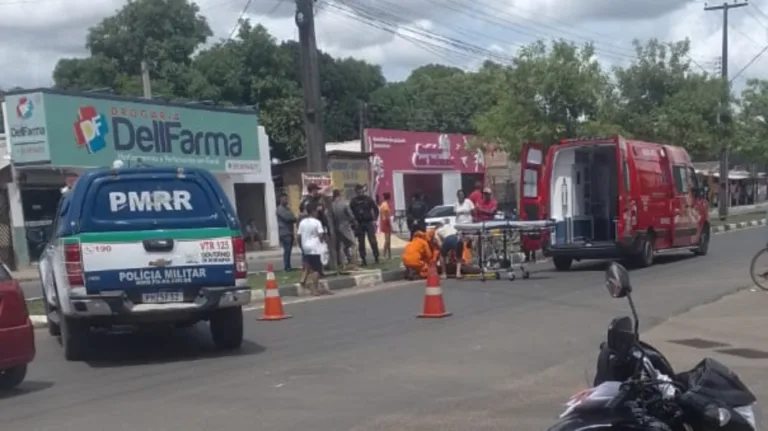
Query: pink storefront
435	164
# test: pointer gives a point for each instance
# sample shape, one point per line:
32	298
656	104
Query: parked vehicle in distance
614	198
140	246
17	336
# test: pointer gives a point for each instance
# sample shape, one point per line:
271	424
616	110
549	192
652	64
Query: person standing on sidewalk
366	213
344	224
311	238
385	225
286	221
416	214
477	193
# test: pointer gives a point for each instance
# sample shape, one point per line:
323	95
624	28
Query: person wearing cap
485	209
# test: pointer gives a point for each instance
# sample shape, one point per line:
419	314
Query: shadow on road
601	265
143	348
26	387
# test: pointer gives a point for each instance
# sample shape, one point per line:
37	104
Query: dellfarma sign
78	130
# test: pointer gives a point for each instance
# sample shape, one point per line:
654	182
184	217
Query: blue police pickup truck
140	246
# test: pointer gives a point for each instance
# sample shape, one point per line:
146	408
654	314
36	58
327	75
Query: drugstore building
53	136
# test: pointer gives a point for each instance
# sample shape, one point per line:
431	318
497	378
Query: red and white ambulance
614	198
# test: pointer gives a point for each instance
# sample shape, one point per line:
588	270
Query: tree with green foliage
164	33
750	140
551	92
661	99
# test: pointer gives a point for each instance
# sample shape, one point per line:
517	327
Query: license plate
162	297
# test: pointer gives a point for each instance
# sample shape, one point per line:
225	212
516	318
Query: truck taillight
241	265
73	265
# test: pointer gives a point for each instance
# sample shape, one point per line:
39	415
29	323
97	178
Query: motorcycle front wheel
758	269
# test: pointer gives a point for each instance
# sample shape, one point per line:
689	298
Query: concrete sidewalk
731	330
277	253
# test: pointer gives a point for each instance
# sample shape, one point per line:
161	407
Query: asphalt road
507	359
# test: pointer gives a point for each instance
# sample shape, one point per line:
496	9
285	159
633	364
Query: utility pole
317	160
361	117
146	82
310	83
723	194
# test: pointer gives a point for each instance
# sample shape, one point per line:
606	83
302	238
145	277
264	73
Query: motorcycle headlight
752	415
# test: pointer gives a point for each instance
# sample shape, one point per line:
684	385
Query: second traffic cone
434	306
273	305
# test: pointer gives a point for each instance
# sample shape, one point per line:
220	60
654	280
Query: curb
740	225
364	279
25	278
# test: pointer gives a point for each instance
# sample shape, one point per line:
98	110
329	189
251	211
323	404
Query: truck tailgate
158	266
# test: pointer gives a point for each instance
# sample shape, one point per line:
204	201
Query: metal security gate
6	244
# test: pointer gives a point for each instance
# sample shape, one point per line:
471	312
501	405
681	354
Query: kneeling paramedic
418	255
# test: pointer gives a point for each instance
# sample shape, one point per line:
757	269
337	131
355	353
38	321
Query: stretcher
495	244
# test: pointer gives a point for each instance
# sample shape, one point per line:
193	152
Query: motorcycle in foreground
636	388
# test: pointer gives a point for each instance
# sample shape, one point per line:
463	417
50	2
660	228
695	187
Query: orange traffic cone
273	305
434	306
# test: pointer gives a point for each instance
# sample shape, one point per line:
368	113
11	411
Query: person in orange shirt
385	224
418	255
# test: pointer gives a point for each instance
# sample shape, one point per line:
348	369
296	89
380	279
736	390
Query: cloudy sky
403	34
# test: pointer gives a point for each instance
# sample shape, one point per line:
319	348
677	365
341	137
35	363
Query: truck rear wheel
74	337
227	328
12	377
562	263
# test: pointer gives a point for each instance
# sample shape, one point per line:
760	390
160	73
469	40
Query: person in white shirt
447	238
312	240
464	208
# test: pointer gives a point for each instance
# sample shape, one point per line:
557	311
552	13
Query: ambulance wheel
703	247
227	328
512	276
646	256
74	337
562	263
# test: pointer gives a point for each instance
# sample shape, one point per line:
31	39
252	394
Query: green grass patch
258	281
35	307
738	218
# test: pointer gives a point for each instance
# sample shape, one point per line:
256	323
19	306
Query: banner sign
322	179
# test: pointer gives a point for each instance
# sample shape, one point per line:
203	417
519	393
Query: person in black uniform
416	214
366	213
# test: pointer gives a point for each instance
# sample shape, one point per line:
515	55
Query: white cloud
34	34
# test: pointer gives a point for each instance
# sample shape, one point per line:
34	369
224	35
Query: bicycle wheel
758	269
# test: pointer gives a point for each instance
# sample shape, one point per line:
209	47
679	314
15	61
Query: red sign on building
435	164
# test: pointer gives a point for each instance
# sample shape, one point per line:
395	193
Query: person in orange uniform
432	239
385	224
418	255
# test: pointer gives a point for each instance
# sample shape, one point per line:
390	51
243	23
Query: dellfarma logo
162	132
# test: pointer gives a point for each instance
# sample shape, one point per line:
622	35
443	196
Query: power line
750	63
239	19
760	11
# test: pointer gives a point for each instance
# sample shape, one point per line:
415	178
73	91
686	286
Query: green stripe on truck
140	235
